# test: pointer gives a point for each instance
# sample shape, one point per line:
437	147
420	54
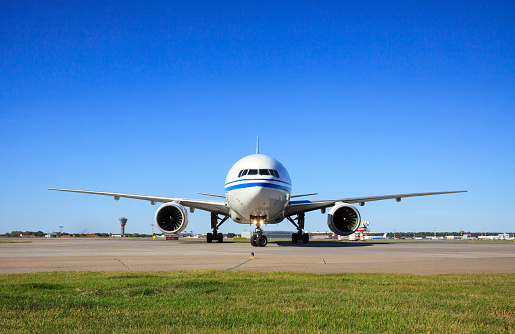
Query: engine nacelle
343	219
171	218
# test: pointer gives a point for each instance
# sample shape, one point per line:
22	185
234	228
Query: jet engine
343	219
171	218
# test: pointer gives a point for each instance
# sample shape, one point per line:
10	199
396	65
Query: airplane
258	191
373	237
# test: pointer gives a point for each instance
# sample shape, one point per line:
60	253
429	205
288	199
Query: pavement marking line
241	264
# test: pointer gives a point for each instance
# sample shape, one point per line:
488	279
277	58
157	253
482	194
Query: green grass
212	301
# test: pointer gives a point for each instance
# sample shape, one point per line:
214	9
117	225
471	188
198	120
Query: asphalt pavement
99	254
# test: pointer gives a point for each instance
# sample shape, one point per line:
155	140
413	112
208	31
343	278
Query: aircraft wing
219	207
296	207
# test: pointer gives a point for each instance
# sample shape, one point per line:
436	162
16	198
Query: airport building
500	236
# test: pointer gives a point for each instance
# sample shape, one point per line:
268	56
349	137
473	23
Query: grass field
212	301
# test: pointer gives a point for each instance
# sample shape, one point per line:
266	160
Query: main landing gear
215	225
258	239
300	227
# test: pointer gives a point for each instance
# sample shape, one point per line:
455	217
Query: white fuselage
258	189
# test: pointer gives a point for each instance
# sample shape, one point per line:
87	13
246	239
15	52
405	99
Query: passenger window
264	172
252	172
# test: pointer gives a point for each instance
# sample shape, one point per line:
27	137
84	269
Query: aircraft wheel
220	237
253	240
294	238
262	241
209	238
305	238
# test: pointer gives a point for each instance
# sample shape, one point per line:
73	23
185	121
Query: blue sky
161	98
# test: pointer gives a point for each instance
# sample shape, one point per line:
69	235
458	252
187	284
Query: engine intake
171	218
343	219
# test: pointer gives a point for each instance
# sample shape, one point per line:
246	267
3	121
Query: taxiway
96	254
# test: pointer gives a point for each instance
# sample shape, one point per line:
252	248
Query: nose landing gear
258	239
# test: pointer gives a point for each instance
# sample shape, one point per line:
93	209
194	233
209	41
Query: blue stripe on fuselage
258	184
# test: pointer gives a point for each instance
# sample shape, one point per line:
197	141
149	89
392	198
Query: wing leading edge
219	207
296	207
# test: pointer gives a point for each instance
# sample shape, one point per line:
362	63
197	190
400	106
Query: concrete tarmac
98	254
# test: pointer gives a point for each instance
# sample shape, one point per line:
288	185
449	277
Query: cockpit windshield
253	172
269	172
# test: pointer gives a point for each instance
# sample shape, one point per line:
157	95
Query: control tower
123	222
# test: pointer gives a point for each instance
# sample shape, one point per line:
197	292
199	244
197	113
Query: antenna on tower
257	145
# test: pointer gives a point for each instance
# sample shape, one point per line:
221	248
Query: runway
97	254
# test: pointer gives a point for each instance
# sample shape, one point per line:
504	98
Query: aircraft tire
262	241
305	238
294	238
220	237
209	238
253	240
